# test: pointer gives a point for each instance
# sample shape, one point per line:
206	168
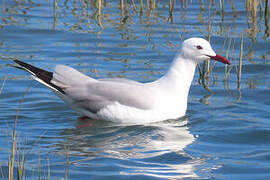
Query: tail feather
40	75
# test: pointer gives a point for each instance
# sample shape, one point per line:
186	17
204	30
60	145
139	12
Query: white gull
128	101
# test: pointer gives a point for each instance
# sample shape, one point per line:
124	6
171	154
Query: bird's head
198	49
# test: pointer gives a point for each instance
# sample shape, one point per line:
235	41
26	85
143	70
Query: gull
124	100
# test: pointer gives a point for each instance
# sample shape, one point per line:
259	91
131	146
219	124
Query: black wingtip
44	75
36	71
19	62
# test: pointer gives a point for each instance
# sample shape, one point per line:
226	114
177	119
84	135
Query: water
225	134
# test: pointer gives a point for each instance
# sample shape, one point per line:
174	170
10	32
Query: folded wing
95	95
89	93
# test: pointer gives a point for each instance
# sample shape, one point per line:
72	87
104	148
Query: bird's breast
117	112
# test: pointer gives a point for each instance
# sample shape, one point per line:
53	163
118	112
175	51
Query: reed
21	156
16	152
184	3
3	85
266	19
205	70
227	69
122	7
252	8
11	158
14	146
99	14
266	8
133	5
49	170
221	4
171	8
1	172
141	7
209	30
17	156
240	64
55	7
67	166
99	7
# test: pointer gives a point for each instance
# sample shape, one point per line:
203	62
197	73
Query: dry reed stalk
171	8
221	4
209	39
133	5
182	3
99	14
151	4
266	19
67	166
3	84
49	170
14	147
21	163
248	4
232	52
212	67
227	55
39	172
234	10
1	171
240	64
55	7
266	8
254	13
15	150
122	7
99	7
148	8
225	41
252	6
141	7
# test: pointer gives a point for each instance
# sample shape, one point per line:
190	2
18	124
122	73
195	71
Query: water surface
225	134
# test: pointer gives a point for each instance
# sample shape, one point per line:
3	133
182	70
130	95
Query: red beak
220	59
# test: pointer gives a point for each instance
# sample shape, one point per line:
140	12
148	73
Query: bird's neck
180	75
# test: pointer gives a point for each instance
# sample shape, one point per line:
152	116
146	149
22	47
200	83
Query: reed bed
128	7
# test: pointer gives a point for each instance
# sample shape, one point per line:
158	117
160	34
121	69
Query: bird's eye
199	47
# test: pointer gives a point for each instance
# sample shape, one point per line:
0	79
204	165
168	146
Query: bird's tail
40	75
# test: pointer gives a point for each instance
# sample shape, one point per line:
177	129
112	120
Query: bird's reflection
152	147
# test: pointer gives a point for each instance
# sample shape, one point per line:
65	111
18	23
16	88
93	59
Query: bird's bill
220	59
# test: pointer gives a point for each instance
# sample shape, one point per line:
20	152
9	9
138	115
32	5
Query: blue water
225	135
